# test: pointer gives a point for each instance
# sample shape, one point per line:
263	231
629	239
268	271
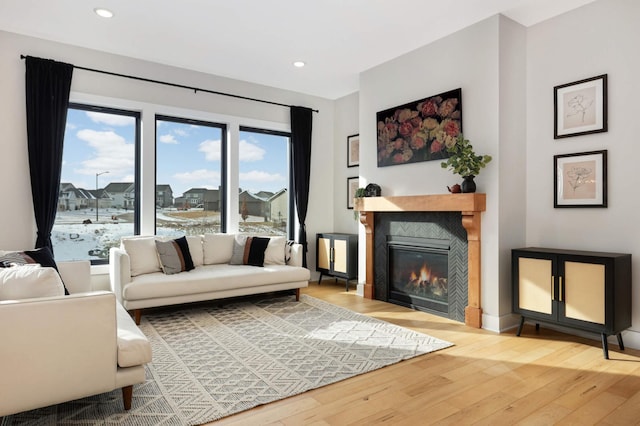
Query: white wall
18	231
346	124
599	38
474	59
507	74
511	160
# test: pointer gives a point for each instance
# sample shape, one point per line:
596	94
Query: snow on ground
72	239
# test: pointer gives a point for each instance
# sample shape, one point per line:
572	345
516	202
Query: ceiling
258	40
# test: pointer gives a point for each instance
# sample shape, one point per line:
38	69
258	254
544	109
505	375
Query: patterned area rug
213	361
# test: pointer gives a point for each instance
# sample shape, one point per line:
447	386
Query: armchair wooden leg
297	294
127	396
138	315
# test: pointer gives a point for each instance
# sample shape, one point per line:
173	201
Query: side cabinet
337	256
584	290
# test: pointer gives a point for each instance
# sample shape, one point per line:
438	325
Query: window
263	169
99	194
190	164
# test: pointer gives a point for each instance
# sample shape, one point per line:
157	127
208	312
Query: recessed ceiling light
104	13
298	64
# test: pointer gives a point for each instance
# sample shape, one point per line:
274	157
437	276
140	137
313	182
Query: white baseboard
499	324
630	338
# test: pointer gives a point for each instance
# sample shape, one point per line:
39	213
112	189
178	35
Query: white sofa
61	348
138	281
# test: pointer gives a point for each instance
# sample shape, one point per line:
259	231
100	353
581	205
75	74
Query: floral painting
420	130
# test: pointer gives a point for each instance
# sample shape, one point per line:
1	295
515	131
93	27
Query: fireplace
468	210
425	250
418	273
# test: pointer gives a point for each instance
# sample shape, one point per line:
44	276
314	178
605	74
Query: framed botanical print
580	107
353	150
580	180
352	187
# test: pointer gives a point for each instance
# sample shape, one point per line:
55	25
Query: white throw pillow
196	249
27	281
142	253
218	248
274	254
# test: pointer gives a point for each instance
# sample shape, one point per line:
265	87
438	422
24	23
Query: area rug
213	361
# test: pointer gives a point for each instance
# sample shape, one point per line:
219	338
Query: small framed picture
352	187
580	107
580	180
353	150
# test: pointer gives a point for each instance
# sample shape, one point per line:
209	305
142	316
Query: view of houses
89	222
272	207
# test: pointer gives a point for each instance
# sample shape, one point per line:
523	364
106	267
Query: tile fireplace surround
470	206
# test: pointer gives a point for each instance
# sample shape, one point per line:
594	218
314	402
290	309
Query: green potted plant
465	162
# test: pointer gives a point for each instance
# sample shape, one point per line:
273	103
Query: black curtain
301	123
47	91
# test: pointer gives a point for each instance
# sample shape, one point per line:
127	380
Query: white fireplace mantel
470	206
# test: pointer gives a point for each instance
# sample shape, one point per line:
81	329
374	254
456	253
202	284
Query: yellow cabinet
589	291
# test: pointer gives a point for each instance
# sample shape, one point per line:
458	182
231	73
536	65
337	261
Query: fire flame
425	280
425	274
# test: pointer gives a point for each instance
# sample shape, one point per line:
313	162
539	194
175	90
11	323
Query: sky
187	155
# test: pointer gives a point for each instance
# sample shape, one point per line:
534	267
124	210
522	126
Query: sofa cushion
42	256
249	250
28	281
174	255
210	278
237	254
218	248
133	346
142	255
288	251
196	249
274	254
254	250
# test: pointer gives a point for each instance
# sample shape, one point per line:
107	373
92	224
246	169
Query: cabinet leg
620	342
346	285
320	279
520	326
605	346
537	327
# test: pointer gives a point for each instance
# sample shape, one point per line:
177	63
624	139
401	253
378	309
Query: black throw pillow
43	256
254	251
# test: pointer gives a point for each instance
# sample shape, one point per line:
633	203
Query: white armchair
57	349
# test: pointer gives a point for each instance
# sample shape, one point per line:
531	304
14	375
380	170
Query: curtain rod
181	86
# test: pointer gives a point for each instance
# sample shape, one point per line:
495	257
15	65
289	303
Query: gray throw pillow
238	250
174	256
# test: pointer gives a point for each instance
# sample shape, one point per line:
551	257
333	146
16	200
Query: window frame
223	161
292	212
81	106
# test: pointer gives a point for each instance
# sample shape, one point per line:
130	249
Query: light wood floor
540	378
